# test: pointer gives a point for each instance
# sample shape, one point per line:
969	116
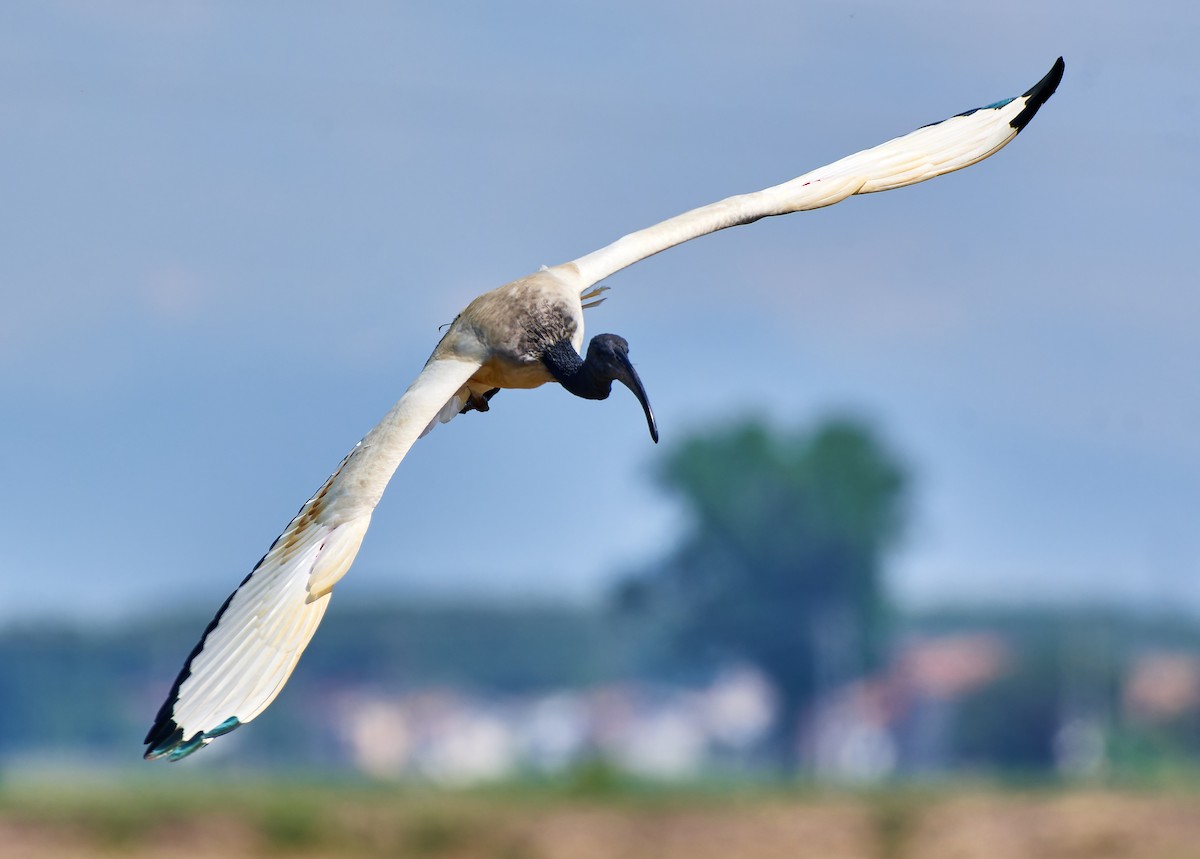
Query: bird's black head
607	352
608	361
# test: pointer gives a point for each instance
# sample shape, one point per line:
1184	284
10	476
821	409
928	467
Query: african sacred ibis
521	335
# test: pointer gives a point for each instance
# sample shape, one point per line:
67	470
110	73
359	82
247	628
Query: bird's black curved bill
633	382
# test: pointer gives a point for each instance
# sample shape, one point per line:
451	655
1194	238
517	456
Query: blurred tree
1011	724
782	565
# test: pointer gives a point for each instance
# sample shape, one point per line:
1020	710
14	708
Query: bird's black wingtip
163	737
166	739
1039	94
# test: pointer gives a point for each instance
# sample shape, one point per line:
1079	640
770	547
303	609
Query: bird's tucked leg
478	402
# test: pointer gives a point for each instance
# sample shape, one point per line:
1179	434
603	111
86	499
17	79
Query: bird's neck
576	375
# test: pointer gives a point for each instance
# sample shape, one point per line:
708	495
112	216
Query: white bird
521	335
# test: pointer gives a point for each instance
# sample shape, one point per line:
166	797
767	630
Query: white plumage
521	335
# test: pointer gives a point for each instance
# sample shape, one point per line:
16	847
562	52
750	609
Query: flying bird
522	335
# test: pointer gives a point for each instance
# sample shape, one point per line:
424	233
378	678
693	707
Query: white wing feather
923	154
251	647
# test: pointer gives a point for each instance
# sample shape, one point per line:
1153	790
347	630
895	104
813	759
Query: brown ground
327	822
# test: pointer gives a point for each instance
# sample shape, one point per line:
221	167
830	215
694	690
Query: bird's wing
930	151
249	649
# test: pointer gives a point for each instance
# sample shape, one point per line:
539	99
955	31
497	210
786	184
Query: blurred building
454	738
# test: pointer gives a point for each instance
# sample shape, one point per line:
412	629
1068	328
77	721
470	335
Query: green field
166	818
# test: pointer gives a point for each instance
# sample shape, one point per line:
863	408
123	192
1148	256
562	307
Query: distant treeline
91	691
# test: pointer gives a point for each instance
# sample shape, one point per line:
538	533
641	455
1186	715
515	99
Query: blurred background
924	510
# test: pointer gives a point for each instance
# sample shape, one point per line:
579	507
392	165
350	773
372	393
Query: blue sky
231	231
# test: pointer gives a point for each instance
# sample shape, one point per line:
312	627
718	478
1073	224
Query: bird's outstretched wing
930	151
249	649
